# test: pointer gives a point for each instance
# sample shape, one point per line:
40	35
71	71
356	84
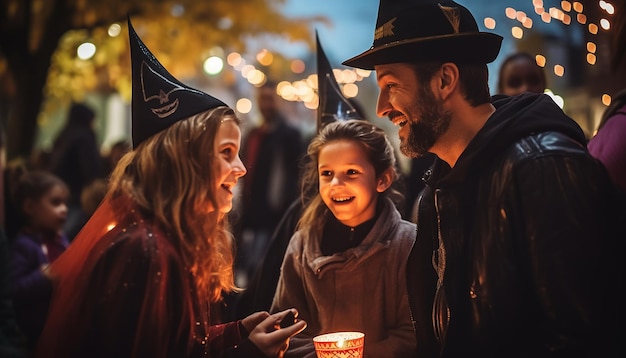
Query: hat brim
477	47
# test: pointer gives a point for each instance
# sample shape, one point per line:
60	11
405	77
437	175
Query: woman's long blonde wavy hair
171	176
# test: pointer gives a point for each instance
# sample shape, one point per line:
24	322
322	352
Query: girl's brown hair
170	175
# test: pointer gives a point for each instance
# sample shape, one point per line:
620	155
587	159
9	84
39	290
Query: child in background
41	199
344	269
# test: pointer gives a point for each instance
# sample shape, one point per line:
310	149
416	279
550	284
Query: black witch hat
426	30
158	99
333	106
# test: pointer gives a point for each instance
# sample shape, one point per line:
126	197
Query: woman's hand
266	334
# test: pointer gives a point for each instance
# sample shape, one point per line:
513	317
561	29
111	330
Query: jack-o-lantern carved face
156	87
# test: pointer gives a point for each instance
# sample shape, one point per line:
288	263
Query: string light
541	60
305	90
566	6
490	23
591	58
559	70
591	47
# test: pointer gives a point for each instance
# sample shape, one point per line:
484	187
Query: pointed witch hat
333	106
158	99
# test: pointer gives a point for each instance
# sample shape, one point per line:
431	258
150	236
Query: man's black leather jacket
526	266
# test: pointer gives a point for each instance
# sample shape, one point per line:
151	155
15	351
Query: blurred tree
40	69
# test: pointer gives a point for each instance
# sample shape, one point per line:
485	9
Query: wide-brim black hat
158	99
333	106
425	31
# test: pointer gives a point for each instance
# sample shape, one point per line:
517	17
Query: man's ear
448	79
385	180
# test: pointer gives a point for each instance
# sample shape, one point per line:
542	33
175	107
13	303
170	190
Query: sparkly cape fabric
121	290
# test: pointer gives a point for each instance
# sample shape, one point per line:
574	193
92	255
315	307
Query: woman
140	278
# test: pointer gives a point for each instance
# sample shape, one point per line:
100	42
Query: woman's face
229	167
347	182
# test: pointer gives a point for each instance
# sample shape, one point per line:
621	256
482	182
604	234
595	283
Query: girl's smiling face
347	182
229	167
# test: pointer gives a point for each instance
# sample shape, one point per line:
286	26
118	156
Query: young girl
344	269
141	277
41	199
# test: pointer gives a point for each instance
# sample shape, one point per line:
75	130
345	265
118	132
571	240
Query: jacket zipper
441	311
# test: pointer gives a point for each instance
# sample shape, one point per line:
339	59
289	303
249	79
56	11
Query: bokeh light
541	60
591	58
297	66
265	57
234	59
490	23
243	105
350	90
591	47
578	7
559	70
86	50
114	30
213	65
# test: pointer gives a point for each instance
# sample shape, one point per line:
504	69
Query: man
512	257
271	152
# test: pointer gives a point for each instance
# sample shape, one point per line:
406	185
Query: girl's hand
267	335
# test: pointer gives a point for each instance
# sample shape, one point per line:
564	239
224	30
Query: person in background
76	159
117	151
12	172
140	278
12	341
41	198
609	143
345	267
520	73
272	153
92	196
514	255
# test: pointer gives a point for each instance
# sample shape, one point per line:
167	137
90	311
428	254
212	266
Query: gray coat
362	289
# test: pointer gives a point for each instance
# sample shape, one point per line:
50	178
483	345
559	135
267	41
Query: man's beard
433	122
